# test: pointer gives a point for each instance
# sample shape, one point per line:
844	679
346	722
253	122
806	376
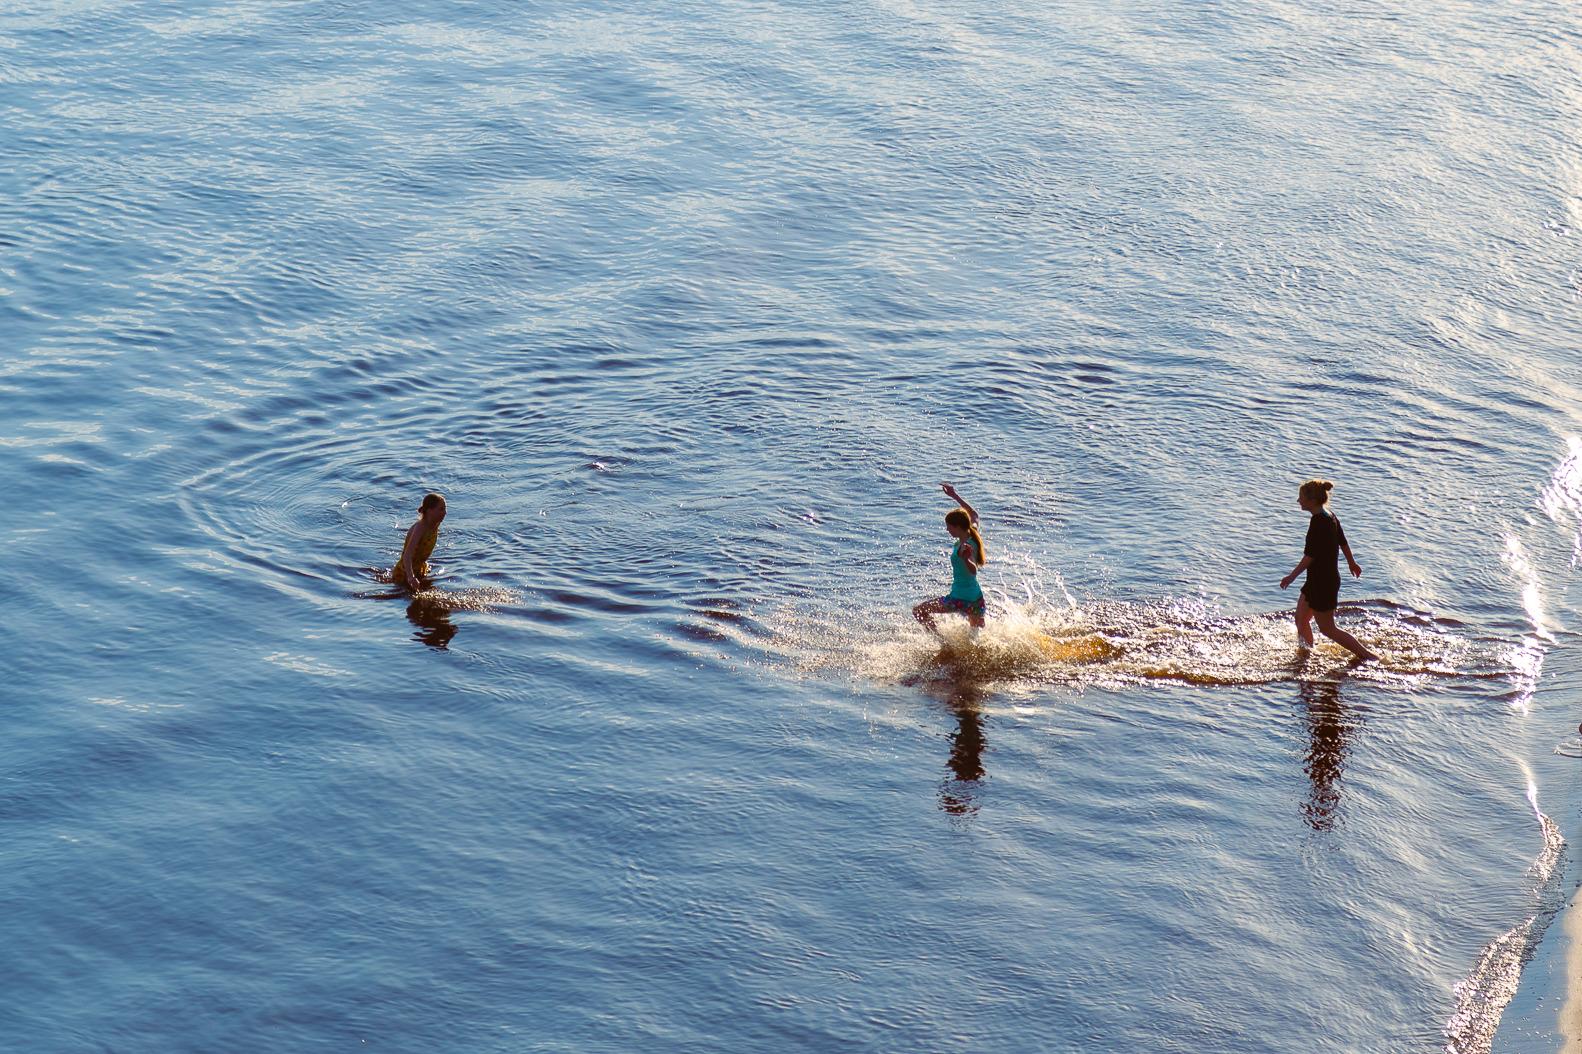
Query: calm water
687	309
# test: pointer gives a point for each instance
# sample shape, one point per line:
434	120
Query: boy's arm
404	565
950	492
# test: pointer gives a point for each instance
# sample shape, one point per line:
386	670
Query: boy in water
411	570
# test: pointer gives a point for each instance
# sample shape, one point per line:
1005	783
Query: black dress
1325	536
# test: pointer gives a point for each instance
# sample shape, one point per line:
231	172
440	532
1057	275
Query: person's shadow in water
1331	726
958	792
426	609
433	623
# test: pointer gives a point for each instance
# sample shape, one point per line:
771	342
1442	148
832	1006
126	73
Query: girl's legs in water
925	612
1326	626
1304	631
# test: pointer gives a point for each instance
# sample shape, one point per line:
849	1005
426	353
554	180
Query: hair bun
1328	486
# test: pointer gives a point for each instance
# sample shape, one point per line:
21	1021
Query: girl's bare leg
925	612
1304	631
1326	626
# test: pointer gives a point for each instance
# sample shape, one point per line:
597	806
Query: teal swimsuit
965	595
963	583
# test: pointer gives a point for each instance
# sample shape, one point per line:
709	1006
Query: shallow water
687	311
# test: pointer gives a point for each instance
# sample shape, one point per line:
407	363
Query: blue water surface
687	309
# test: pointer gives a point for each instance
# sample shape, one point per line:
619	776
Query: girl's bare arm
950	492
1298	569
1356	568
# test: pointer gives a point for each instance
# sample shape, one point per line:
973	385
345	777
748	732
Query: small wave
1482	998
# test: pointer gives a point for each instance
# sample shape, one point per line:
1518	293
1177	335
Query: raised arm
950	492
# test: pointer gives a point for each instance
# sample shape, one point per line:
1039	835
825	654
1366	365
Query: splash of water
477	599
1023	642
1039	641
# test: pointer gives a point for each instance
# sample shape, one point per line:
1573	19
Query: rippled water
687	310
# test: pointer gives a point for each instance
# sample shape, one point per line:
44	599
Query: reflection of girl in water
1329	730
966	557
958	794
965	776
1321	555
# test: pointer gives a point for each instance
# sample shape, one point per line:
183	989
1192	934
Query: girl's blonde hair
1316	490
959	518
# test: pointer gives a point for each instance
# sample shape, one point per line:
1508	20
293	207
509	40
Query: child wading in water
411	570
966	556
1321	592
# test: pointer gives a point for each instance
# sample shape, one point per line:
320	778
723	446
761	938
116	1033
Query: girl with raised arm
966	557
1321	555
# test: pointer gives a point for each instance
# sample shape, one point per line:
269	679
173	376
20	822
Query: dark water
687	309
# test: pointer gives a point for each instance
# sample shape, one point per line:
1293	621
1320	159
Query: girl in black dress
1321	592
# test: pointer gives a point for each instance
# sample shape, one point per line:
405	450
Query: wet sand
1571	1012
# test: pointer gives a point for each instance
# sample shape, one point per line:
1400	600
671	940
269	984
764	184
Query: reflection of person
433	623
1329	728
411	570
966	557
1326	540
956	794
